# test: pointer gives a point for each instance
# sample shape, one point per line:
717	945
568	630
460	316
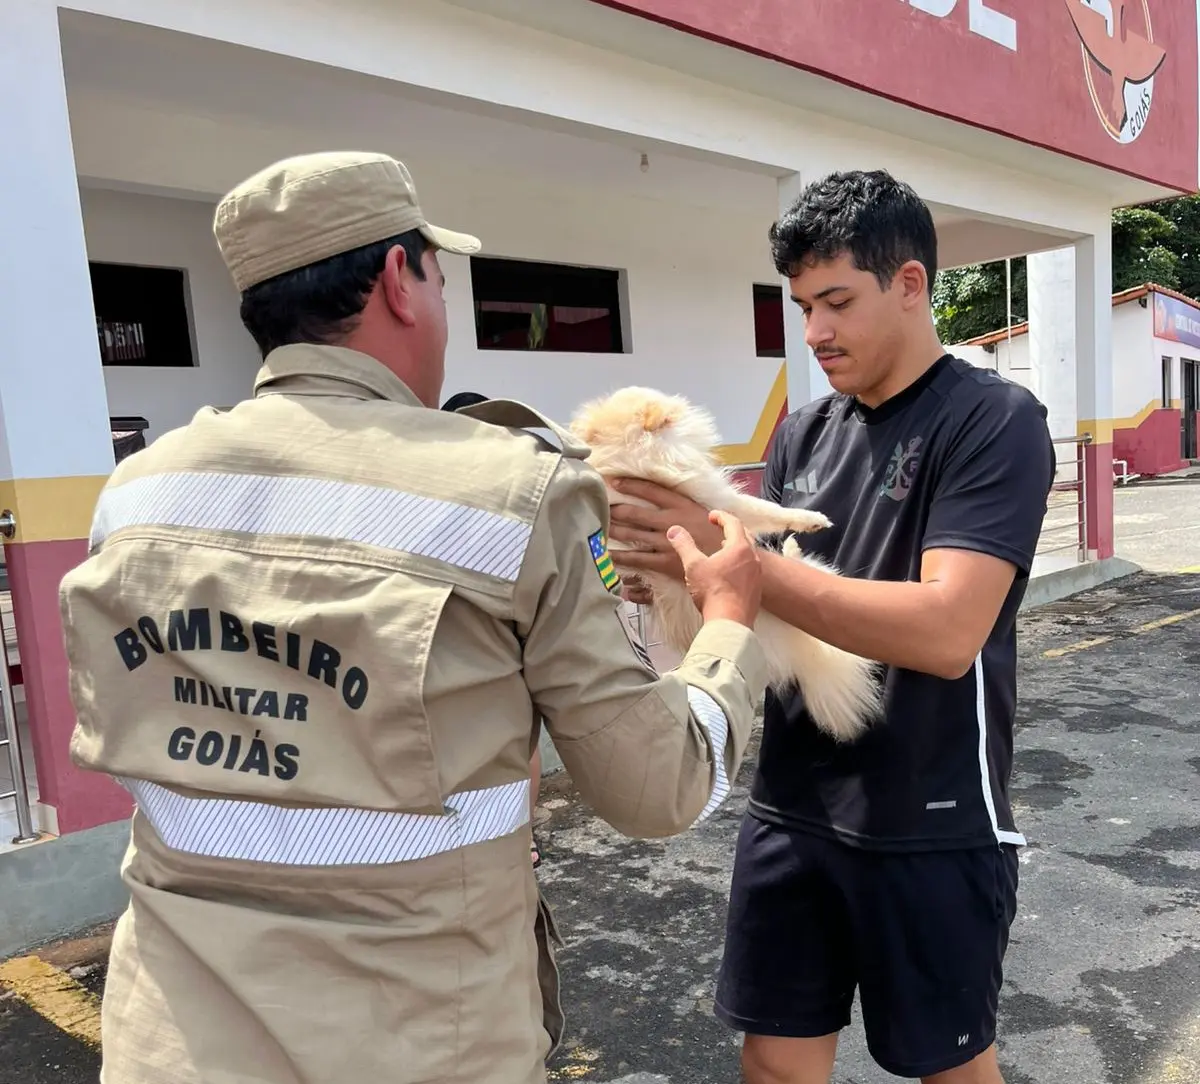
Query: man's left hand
645	529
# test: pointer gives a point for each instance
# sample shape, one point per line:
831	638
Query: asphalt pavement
1157	521
1103	972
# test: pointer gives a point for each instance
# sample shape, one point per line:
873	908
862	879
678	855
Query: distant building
1155	373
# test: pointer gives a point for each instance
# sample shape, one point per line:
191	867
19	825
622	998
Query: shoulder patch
515	415
598	544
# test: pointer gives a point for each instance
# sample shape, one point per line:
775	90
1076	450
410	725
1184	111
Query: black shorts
921	935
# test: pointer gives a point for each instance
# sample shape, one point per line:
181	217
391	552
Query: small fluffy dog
642	433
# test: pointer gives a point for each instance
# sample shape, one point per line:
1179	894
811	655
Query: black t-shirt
962	458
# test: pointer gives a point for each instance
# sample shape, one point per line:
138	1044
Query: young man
888	865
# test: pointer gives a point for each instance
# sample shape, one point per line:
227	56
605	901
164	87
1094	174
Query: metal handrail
12	743
1077	485
12	739
639	624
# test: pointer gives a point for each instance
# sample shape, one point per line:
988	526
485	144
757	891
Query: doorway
1190	374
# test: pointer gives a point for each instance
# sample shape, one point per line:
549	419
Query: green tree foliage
1184	214
1158	243
1141	249
970	301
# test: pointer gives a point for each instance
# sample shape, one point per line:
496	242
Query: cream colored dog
643	433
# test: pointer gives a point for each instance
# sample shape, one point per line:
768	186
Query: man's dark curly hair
880	222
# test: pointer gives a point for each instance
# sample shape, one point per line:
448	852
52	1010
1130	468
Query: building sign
1176	320
1120	56
1112	82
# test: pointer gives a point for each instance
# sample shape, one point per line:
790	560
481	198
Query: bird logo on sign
1129	56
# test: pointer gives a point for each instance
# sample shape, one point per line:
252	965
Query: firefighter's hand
728	584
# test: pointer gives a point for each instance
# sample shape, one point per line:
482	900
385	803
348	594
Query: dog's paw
806	522
791	548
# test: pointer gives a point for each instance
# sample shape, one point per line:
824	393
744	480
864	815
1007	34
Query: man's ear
396	283
913	283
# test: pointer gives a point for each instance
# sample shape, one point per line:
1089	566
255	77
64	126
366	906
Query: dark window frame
143	315
767	294
541	289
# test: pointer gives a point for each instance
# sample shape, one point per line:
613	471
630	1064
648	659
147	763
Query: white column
1093	332
806	379
1051	284
1094	380
52	395
55	442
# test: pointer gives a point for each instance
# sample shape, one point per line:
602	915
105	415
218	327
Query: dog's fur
642	433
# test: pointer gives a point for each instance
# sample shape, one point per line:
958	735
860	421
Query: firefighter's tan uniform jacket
312	639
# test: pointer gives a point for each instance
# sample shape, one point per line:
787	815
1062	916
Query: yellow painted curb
55	996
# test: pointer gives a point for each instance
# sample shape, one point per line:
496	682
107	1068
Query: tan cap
305	209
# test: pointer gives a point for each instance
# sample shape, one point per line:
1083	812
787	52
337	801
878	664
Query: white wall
976	355
689	273
1012	365
125	228
1137	363
450	51
1137	368
690	277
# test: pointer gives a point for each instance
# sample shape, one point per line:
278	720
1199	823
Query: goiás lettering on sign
200	629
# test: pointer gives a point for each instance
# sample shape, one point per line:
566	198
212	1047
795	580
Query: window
522	305
1168	382
142	315
768	321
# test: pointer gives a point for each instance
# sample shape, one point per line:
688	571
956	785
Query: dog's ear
584	430
657	415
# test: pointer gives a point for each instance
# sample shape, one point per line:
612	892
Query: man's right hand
729	583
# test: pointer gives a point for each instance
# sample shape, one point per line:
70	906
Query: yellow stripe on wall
1101	429
756	448
51	509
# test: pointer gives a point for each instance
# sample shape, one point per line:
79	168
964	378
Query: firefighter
313	638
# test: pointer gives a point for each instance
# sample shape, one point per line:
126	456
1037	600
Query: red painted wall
82	799
751	481
1098	498
1153	447
1039	93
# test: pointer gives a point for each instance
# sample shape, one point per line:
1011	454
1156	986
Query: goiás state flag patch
598	544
